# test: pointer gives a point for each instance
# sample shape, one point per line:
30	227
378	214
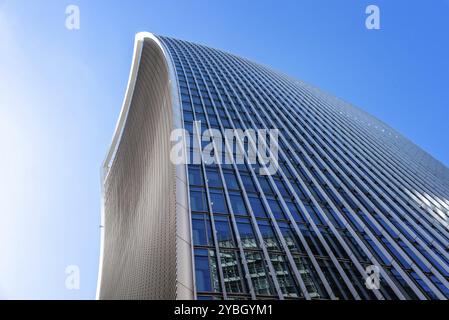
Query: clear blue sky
61	92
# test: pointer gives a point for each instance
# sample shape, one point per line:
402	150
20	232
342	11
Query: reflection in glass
246	232
232	272
224	233
206	274
201	230
258	273
268	236
283	275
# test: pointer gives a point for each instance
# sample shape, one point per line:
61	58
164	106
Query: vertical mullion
214	231
317	231
234	224
273	220
397	247
350	209
253	219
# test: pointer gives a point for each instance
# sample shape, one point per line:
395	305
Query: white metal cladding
380	198
146	242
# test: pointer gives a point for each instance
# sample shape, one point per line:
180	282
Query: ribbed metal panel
139	259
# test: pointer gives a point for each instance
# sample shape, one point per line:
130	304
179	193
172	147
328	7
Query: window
195	176
218	202
202	233
312	240
258	273
300	191
246	233
283	272
224	234
202	273
198	199
276	209
238	206
265	185
312	281
186	106
213	178
282	188
231	181
297	216
248	183
232	272
313	213
268	235
258	209
292	240
206	271
188	116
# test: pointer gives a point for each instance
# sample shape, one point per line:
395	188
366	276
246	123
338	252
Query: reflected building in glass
352	201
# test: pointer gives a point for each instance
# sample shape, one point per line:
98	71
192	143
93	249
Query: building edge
185	279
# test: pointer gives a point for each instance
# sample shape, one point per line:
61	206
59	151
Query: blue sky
61	92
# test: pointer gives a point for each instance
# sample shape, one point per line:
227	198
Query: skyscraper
352	209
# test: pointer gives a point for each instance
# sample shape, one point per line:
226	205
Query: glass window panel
224	234
258	273
268	235
258	208
198	200
246	232
312	240
296	213
313	212
284	277
336	282
213	178
195	176
282	188
206	272
188	116
232	274
310	277
276	209
248	183
202	233
238	205
231	181
218	202
265	185
202	273
291	238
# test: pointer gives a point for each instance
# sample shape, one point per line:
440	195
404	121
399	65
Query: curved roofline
135	65
121	122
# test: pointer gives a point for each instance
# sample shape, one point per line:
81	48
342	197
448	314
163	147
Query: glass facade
350	192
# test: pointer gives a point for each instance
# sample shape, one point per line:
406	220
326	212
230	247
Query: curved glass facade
351	201
350	192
